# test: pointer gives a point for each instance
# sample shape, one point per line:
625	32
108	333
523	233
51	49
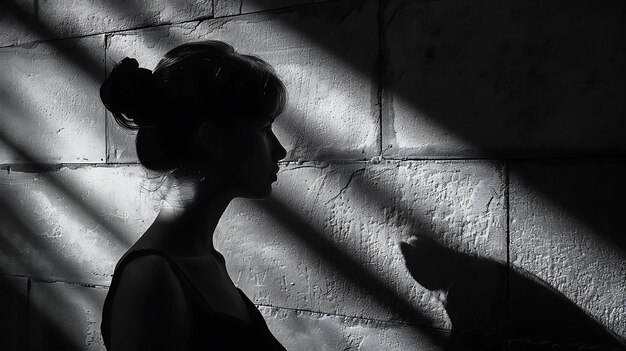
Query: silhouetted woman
204	120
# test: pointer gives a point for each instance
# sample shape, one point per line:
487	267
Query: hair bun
129	93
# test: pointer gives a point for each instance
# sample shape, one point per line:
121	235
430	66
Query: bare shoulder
149	307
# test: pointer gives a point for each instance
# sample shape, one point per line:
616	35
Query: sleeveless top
212	330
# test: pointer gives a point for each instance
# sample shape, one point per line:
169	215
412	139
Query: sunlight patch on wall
47	104
76	223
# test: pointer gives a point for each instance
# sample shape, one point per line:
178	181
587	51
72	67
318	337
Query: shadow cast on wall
485	314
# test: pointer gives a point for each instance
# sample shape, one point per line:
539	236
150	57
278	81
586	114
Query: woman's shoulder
145	267
147	272
148	302
144	273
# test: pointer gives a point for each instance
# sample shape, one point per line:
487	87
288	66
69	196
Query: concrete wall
454	177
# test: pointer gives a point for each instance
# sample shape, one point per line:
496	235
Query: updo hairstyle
192	84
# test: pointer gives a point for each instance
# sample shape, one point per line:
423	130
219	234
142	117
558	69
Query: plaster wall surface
47	95
452	179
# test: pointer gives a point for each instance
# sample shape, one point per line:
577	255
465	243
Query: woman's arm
150	310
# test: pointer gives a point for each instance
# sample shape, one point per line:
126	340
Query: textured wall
454	177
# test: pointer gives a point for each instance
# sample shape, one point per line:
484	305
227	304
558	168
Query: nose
279	151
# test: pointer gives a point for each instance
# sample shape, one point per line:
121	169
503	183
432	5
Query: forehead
254	120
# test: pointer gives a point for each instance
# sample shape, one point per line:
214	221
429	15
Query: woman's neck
190	213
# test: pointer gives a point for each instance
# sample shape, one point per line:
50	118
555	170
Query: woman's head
206	110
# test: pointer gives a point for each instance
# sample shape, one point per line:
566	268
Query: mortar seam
276	9
380	77
28	288
334	161
350	317
164	24
106	122
507	317
35	279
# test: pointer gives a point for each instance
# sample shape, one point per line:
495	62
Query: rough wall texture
453	177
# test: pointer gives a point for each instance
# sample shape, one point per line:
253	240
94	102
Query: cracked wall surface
452	179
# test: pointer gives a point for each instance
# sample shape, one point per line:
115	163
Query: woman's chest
213	283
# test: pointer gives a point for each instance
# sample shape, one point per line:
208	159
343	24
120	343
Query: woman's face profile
250	157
